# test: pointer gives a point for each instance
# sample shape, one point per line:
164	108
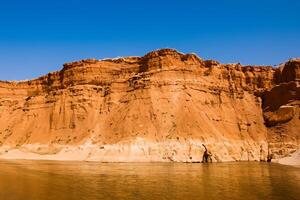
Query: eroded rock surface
159	107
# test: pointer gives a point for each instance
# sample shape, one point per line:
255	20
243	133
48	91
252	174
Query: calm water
48	180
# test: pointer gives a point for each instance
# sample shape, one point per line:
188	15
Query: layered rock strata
159	107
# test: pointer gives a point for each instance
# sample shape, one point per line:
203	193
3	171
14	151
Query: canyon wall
159	107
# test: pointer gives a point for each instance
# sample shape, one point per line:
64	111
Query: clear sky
38	36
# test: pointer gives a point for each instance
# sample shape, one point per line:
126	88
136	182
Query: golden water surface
52	180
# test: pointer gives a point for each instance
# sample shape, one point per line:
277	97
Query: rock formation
159	107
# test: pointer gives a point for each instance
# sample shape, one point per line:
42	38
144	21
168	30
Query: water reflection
45	180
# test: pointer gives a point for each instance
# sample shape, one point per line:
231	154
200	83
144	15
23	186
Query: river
56	180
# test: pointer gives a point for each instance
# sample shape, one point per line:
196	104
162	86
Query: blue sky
39	36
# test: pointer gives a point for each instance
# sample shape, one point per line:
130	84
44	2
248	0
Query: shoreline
276	162
292	160
138	150
141	150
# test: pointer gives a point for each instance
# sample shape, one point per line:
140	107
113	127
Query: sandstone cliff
159	107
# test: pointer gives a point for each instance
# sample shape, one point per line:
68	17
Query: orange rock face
159	107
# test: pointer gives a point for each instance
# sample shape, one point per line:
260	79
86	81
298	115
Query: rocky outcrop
281	110
290	71
160	107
